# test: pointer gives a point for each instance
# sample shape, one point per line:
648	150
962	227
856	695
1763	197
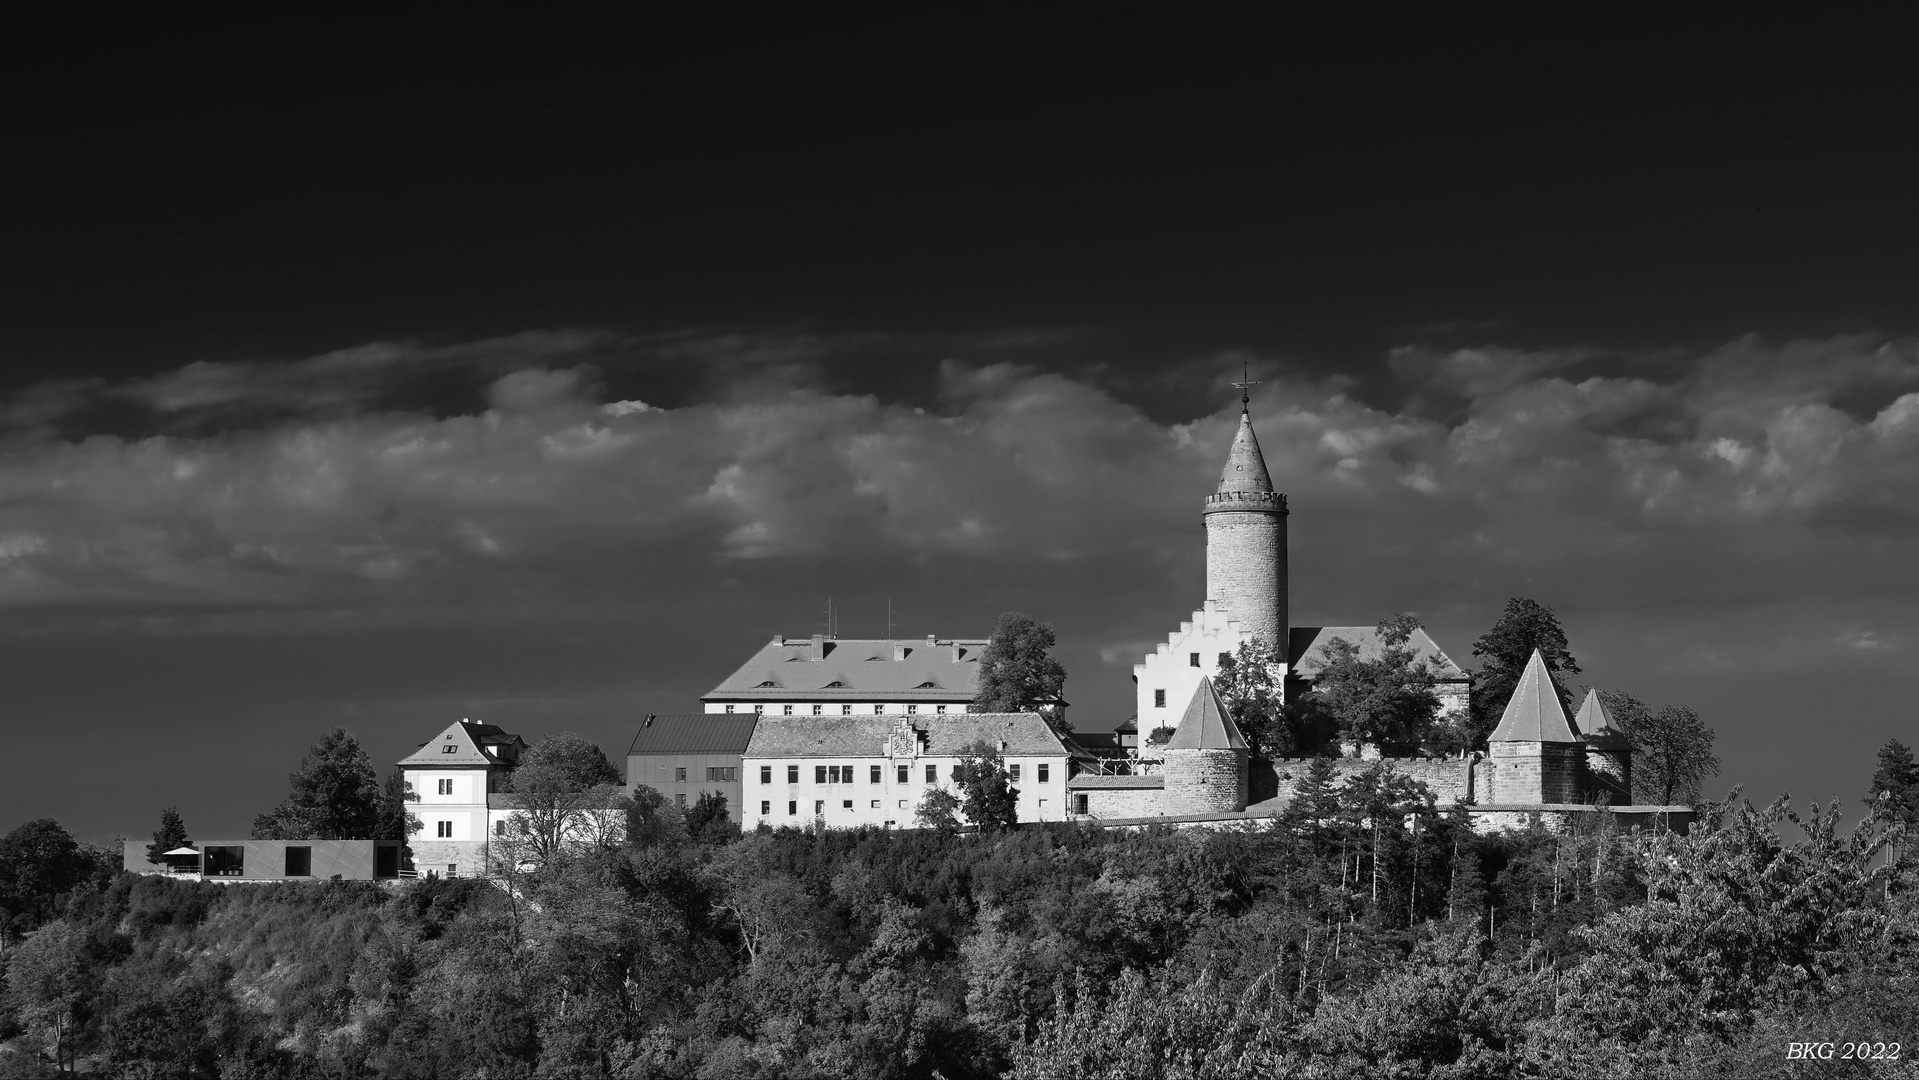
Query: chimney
900	650
819	648
931	641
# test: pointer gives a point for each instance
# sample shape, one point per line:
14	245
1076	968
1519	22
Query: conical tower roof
1595	724
1534	713
1207	725
1245	466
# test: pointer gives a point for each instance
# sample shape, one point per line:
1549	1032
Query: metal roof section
1207	725
1306	649
1534	714
820	668
693	733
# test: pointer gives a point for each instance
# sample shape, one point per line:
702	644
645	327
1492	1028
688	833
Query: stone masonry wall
1246	570
1127	802
1530	772
1206	781
1449	779
436	855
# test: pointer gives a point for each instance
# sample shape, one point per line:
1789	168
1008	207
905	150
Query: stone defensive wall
1450	780
1249	501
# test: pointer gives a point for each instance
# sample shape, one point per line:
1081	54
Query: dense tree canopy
1017	673
987	795
1673	749
1896	781
1503	651
1250	685
335	795
564	793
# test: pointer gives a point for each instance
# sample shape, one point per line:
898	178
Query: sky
376	373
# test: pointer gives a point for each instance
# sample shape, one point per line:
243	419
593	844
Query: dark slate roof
477	744
1025	735
1594	723
1206	725
1533	713
1245	467
693	733
1306	649
829	669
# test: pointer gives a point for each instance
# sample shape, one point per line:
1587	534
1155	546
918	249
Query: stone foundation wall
1125	802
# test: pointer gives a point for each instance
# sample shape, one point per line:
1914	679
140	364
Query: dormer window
766	684
834	685
449	748
927	685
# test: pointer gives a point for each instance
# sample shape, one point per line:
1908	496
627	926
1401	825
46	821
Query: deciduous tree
1391	699
40	862
1016	672
1673	754
1251	686
564	792
986	790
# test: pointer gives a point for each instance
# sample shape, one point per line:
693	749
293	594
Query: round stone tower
1246	540
1206	759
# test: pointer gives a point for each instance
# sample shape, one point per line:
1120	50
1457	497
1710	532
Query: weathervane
1245	383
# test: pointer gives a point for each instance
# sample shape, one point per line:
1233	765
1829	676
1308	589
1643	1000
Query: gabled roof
856	669
473	744
1207	725
1306	649
693	733
1594	723
1245	467
1025	735
1533	714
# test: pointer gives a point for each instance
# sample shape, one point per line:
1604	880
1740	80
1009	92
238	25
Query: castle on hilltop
1538	760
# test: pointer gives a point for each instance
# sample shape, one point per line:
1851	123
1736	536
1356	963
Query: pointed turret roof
1594	723
1207	725
1245	466
1534	713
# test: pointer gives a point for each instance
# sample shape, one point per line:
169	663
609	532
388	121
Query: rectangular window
499	827
817	708
452	869
832	774
766	808
299	862
449	749
902	804
721	775
792	774
1042	802
912	710
875	778
846	804
819	807
1012	773
819	774
786	710
932	774
905	774
792	808
939	710
1195	659
876	804
729	708
766	774
679	775
1159	699
220	860
1079	804
443	830
1043	770
879	710
681	799
758	709
446	787
846	710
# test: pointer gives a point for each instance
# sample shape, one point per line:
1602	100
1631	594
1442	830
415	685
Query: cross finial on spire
1246	382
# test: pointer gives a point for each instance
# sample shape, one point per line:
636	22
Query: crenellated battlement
1255	502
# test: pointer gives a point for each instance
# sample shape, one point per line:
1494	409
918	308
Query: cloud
1772	480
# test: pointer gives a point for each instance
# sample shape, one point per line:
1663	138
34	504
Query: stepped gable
1534	714
1594	723
1245	467
1207	725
